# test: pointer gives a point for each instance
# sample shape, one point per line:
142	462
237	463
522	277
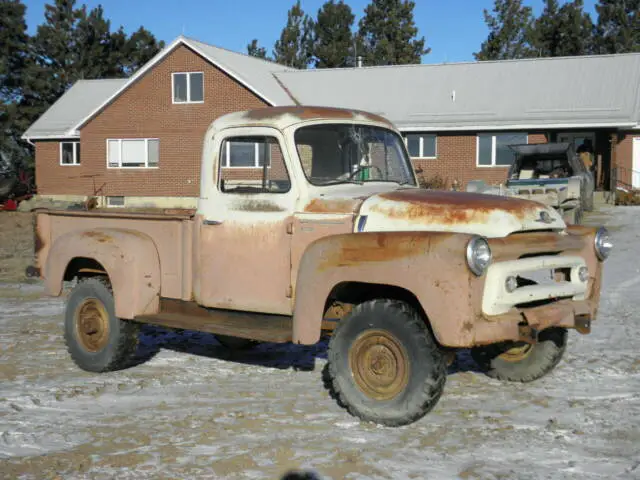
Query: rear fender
430	265
129	258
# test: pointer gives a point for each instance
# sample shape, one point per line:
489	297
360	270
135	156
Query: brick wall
145	110
456	160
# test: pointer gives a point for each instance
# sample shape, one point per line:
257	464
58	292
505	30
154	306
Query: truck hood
440	211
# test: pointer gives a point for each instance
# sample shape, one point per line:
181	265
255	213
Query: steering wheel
361	168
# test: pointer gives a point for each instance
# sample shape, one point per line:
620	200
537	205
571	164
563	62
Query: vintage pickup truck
326	234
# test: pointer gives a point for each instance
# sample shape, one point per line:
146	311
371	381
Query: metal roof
565	92
255	73
76	103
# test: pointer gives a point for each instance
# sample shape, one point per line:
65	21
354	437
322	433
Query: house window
246	153
421	145
242	162
69	153
188	87
493	149
133	153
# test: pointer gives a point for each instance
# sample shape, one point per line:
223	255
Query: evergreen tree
562	31
14	56
510	26
294	47
254	50
388	34
332	36
618	27
13	48
138	49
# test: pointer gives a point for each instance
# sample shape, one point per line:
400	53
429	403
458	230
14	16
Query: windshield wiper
338	182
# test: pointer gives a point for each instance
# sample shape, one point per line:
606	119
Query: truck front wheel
97	340
523	362
384	365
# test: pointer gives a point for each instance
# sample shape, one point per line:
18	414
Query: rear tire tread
126	346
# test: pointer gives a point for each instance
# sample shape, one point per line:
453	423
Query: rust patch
374	247
98	236
319	205
258	206
467	326
312	112
452	207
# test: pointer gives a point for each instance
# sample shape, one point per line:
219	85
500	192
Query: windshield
344	153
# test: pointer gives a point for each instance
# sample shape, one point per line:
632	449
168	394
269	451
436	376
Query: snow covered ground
196	411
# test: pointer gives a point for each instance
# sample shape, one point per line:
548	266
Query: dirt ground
195	410
16	245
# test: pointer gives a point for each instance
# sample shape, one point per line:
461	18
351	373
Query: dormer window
188	87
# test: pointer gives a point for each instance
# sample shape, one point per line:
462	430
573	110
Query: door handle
212	222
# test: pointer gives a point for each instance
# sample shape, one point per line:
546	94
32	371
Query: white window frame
406	142
173	88
146	151
493	149
76	160
256	156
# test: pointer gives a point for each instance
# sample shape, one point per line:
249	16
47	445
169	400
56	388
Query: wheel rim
517	353
379	364
92	325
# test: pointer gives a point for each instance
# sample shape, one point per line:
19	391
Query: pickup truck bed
171	231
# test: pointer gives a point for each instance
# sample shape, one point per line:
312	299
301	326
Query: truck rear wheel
97	340
384	365
523	362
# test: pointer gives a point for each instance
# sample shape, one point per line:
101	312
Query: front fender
430	265
130	259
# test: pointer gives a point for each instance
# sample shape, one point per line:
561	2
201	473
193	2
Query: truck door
244	232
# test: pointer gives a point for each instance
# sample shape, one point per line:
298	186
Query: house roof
86	98
567	92
562	92
77	102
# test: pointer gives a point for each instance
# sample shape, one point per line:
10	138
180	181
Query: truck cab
310	223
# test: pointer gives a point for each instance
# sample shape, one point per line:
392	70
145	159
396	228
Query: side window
252	165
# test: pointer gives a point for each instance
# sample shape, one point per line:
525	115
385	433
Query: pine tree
510	25
13	47
562	31
254	50
618	27
14	57
388	34
332	36
138	49
294	47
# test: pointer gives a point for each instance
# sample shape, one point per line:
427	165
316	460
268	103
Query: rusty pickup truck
310	225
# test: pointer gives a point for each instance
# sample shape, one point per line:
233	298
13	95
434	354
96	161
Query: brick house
138	141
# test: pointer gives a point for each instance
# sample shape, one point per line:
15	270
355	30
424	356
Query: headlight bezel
473	246
602	237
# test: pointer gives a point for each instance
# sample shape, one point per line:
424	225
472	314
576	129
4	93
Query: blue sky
454	29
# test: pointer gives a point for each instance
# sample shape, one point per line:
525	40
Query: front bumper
523	325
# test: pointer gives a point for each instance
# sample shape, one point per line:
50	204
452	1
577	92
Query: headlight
603	243
478	255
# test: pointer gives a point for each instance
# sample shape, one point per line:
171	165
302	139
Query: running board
191	316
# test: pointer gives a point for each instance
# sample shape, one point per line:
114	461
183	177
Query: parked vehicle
549	173
327	233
